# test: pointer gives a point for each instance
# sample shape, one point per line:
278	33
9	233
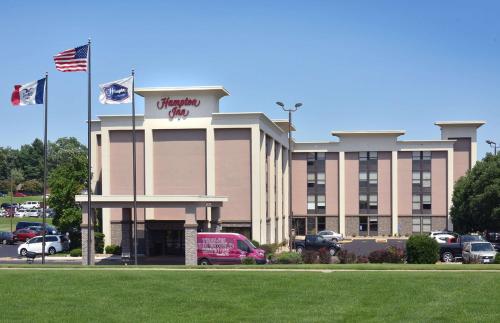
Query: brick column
84	229
190	237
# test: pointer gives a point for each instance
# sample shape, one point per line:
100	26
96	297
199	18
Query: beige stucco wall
439	182
120	168
461	157
384	182
299	183
179	167
233	173
351	183
404	193
332	184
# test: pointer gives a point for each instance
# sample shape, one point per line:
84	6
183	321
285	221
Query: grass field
7	199
5	222
138	296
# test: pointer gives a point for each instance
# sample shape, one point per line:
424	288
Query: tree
30	159
67	180
33	186
476	198
64	149
16	176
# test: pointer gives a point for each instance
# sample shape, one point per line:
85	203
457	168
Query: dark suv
494	239
6	237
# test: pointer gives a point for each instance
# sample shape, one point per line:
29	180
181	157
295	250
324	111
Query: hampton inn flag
27	94
117	92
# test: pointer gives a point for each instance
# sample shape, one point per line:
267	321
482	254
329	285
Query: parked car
443	238
6	237
494	239
31	213
479	249
26	224
24	234
316	242
19	194
5	205
226	249
453	250
331	235
53	244
20	213
3	213
28	205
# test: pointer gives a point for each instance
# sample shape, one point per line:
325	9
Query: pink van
218	248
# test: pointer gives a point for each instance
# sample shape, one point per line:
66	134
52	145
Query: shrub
473	259
497	258
289	257
310	257
99	242
346	257
324	256
113	249
389	255
255	243
76	252
248	261
422	249
269	249
362	260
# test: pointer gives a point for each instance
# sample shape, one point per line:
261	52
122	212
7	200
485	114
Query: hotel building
199	169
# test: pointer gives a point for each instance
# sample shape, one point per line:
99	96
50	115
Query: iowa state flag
30	93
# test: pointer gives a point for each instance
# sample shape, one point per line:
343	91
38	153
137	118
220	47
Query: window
311	180
243	246
373	203
426	224
363	176
416	202
416	225
311	205
363	225
363	155
373	177
311	156
426	202
416	177
320	178
373	227
426	179
311	225
426	155
299	224
415	155
363	201
372	155
321	204
320	156
321	225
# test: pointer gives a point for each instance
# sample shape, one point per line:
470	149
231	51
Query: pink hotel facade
366	183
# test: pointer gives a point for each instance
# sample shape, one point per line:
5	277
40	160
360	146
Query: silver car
483	251
331	235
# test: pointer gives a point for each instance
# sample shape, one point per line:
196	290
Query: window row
370	177
421	155
315	179
421	202
316	204
309	225
421	178
368	201
368	155
421	224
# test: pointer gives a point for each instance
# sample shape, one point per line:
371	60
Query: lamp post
493	145
290	212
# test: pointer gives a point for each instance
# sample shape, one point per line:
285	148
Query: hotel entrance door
167	241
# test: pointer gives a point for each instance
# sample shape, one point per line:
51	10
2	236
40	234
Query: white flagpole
134	178
89	166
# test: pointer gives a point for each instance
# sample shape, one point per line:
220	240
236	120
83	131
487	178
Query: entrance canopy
151	201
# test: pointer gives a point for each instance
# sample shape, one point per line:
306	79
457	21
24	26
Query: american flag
72	60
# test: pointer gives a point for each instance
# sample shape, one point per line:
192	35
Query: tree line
23	167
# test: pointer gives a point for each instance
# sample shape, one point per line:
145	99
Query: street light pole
493	145
290	211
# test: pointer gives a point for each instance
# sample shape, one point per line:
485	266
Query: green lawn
177	296
21	199
5	222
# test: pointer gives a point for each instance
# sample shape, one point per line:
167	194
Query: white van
30	205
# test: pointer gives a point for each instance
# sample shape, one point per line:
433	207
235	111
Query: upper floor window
368	155
421	155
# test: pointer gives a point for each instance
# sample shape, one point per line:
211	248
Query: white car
33	213
30	205
53	244
443	237
20	213
331	235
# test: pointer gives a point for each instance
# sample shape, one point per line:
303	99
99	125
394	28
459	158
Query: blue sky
353	64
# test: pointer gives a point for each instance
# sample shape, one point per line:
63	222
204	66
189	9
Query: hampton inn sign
177	108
